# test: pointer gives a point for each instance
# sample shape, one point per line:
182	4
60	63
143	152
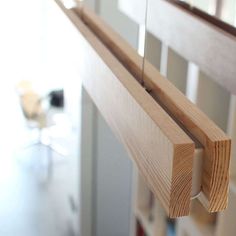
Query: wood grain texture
161	150
217	146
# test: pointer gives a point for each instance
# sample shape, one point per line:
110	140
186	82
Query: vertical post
192	82
164	59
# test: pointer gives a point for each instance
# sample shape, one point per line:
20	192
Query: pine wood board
161	149
217	145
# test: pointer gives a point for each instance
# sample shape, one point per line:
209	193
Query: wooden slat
161	150
217	145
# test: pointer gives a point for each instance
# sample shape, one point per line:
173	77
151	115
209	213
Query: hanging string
145	34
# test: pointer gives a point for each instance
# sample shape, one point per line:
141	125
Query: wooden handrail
215	21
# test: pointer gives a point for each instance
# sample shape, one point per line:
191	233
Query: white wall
113	183
106	177
110	12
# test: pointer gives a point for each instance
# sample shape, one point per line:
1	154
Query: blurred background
62	170
38	185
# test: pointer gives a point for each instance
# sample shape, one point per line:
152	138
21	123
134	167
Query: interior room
121	118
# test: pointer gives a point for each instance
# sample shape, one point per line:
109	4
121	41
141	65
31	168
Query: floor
31	204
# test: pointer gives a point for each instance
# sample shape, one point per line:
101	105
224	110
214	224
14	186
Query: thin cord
145	23
143	65
196	196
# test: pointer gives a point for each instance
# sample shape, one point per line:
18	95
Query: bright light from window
69	3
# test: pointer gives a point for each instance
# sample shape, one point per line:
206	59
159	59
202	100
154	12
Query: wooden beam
160	148
217	146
